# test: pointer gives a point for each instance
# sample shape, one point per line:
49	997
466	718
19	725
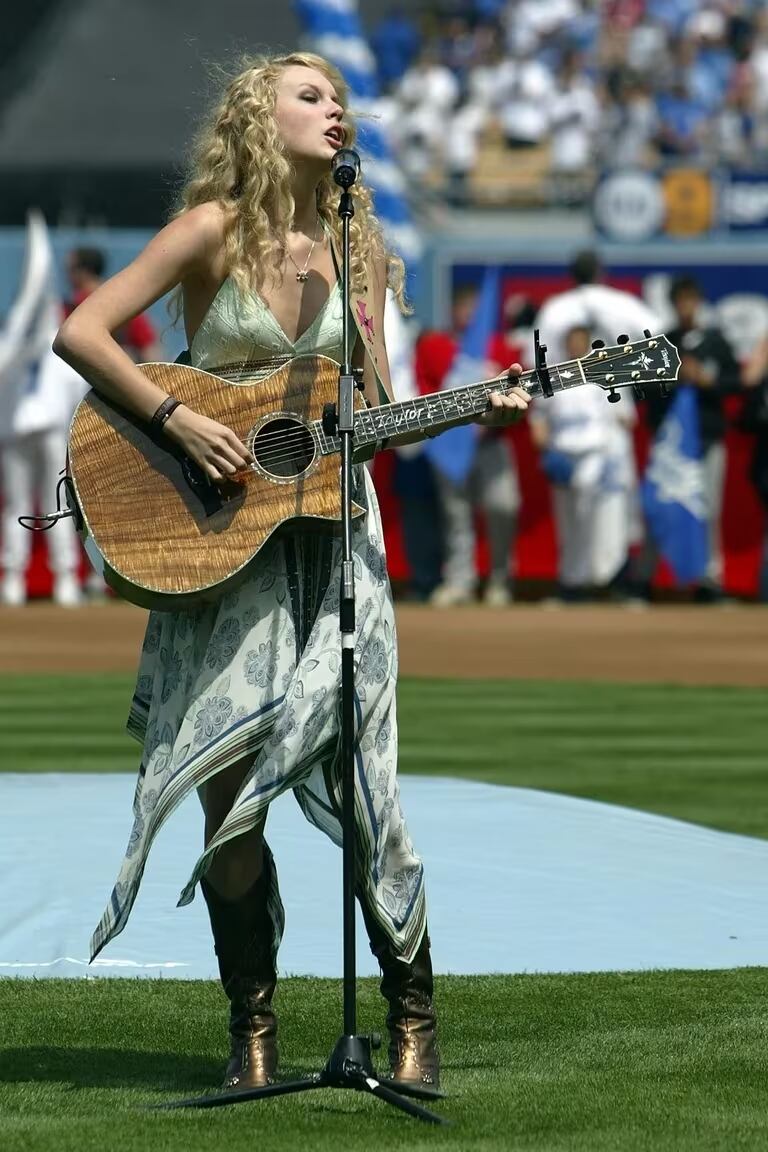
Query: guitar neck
437	411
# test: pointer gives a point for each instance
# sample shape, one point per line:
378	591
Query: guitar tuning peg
647	333
614	396
639	391
598	343
663	389
623	339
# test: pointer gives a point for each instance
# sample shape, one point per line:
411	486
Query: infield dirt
664	644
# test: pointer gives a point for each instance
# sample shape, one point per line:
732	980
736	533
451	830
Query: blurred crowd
584	450
583	84
596	459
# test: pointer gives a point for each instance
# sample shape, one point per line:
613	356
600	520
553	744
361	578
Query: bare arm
756	366
539	431
186	248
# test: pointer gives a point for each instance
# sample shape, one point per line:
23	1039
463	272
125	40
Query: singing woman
240	698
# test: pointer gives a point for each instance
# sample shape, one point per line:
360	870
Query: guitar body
166	537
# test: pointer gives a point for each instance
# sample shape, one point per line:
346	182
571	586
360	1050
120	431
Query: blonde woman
239	699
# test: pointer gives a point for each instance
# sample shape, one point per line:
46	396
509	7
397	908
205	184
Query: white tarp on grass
517	881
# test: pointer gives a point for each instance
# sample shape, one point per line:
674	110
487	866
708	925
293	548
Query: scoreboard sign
633	206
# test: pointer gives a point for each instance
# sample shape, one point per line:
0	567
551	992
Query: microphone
345	167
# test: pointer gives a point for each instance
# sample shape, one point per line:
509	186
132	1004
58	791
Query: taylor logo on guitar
168	537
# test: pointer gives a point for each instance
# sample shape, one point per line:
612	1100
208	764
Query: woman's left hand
506	407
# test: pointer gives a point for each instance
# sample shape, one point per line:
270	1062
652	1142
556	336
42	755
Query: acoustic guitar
167	537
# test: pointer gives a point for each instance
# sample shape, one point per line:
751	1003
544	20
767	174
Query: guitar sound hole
283	448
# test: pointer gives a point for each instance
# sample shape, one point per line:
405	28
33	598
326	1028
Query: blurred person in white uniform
605	311
587	453
38	394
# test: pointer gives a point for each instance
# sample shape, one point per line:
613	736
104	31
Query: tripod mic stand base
349	1066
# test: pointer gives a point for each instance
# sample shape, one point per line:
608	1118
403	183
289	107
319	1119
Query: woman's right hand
213	446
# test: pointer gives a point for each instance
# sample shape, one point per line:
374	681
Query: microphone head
345	167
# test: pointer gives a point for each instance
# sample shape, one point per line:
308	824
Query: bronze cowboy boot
242	935
414	1057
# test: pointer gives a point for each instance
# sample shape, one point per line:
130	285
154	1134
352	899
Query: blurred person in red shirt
491	485
85	269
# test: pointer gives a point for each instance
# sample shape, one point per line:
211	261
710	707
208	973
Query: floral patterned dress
257	676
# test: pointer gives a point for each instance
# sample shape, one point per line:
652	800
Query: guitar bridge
211	495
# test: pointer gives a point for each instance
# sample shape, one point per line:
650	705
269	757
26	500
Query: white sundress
258	674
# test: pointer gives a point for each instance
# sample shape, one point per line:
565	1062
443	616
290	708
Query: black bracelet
169	405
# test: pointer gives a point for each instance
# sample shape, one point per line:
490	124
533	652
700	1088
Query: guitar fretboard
439	410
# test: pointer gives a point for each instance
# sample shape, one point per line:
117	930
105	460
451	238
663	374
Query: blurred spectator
395	42
679	80
683	121
734	129
490	487
623	13
526	94
587	454
38	394
671	14
488	10
413	480
460	146
573	116
529	22
426	95
458	46
628	126
33	453
708	363
85	269
606	311
755	420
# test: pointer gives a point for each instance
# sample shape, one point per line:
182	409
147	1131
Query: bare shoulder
199	231
208	221
187	251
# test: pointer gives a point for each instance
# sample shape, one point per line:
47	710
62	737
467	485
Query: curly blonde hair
239	160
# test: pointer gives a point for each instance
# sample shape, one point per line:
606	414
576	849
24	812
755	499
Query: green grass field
584	1063
605	1063
693	753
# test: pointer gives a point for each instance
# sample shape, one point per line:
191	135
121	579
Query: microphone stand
350	1065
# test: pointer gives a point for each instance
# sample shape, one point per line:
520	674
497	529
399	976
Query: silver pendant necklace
301	273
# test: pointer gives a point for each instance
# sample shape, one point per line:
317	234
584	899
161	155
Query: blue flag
674	494
453	451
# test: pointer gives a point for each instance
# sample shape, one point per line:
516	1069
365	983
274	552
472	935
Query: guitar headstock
635	363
